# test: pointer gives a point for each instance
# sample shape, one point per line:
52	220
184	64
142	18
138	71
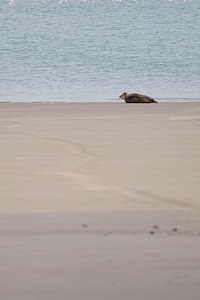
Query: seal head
123	96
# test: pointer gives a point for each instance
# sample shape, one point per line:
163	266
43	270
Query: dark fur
137	98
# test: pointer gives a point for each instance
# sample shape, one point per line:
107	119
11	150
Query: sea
93	51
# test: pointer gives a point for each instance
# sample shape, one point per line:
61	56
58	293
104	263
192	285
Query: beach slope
99	201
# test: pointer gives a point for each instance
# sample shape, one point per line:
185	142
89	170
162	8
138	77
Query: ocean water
75	50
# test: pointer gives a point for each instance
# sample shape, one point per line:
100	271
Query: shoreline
160	101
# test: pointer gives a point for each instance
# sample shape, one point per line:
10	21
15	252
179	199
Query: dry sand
100	201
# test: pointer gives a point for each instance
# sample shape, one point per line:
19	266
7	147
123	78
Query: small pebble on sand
175	229
84	225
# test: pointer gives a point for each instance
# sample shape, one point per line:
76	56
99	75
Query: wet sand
100	201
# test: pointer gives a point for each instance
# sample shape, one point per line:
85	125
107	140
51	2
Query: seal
137	98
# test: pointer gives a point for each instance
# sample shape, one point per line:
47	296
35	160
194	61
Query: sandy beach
99	201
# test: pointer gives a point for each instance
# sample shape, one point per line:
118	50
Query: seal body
137	98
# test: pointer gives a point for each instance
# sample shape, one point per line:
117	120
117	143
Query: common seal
137	98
